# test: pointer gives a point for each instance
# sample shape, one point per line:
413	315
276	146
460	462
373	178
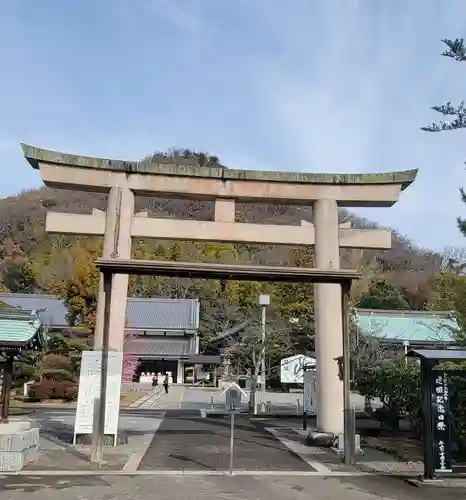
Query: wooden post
349	426
426	374
98	431
6	389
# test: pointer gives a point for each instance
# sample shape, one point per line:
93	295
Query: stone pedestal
19	445
339	445
109	439
320	439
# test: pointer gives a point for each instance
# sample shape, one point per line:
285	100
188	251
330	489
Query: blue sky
305	85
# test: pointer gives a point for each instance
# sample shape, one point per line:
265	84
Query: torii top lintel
183	178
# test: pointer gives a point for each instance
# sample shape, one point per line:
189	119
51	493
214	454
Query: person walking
165	383
155	381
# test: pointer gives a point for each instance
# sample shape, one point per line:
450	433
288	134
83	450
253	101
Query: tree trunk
252	396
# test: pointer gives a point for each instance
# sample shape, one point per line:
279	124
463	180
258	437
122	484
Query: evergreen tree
382	295
457	114
20	277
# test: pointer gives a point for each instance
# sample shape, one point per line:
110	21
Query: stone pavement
58	453
149	487
149	400
291	433
157	399
200	398
183	440
173	400
178	455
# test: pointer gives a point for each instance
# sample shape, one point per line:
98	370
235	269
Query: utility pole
264	301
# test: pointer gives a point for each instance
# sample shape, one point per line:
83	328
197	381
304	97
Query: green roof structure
166	165
415	327
20	330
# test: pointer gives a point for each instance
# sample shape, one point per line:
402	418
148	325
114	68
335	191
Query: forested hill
408	268
405	277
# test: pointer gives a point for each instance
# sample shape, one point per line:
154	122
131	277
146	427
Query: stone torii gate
179	178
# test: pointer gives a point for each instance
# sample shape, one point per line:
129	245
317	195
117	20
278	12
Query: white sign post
233	394
89	391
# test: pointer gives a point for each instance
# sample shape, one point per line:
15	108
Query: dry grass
130	397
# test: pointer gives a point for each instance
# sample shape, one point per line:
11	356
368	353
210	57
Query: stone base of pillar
339	445
320	439
120	439
19	445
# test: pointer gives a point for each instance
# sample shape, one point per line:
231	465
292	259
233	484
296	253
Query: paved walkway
172	400
186	441
157	399
148	487
149	400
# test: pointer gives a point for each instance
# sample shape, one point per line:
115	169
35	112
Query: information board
233	399
292	368
89	391
309	392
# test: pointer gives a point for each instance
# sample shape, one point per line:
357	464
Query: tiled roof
17	327
55	309
163	314
142	313
155	346
413	326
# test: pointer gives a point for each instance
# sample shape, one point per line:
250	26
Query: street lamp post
264	301
406	345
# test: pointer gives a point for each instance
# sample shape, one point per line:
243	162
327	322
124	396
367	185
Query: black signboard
441	421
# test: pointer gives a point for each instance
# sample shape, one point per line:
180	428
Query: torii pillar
177	178
117	244
327	317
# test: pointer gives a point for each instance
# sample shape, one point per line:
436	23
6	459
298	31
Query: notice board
89	391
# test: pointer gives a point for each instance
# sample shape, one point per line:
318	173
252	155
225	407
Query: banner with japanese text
441	422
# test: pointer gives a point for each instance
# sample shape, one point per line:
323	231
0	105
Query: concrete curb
162	472
450	482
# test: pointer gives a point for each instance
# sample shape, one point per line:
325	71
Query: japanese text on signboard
441	423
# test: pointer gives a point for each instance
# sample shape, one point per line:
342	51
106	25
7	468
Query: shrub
71	393
56	361
397	385
458	408
57	375
58	368
50	389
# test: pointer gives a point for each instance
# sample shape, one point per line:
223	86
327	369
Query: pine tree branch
461	225
456	49
463	195
448	110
